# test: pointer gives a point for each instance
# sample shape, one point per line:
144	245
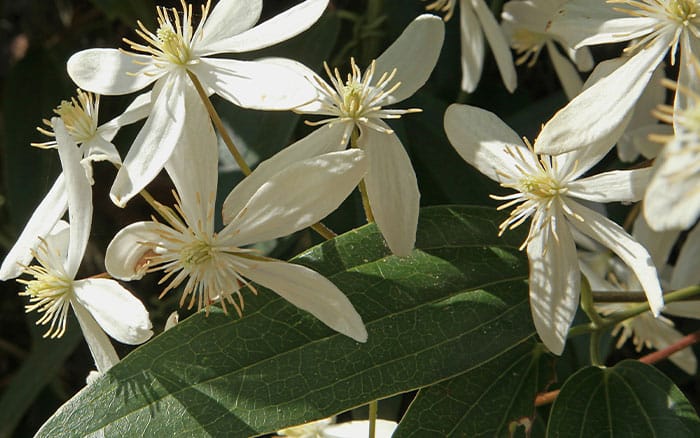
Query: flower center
171	44
446	6
79	115
49	293
196	253
540	186
682	11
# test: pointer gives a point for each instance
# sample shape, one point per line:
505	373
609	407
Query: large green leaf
629	399
460	300
494	399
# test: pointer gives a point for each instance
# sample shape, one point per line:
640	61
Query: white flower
526	24
547	189
672	200
357	104
176	50
214	266
327	428
477	21
94	144
607	274
655	26
99	303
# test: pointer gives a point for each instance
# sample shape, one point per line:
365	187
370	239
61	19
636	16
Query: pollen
79	114
445	6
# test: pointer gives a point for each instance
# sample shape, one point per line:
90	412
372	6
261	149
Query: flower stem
216	120
372	418
362	187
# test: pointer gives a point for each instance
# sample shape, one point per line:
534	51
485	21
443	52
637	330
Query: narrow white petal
79	194
110	71
614	186
115	309
554	284
392	189
659	244
298	196
323	140
99	149
124	258
193	164
686	272
481	139
100	347
472	46
262	84
279	28
46	215
597	117
583	58
226	20
138	109
497	42
421	40
309	291
672	200
155	142
614	237
568	75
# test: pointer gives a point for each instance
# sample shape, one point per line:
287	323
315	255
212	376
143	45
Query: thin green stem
216	120
594	348
373	418
587	304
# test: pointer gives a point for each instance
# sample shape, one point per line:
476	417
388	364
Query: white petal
661	334
570	80
261	84
192	166
659	244
155	142
480	138
100	347
597	116
226	20
99	149
583	58
672	200
279	28
421	40
686	272
323	140
472	44
46	215
297	197
79	194
124	258
392	189
138	109
497	42
359	428
309	291
110	71
554	284
613	186
637	141
614	237
115	309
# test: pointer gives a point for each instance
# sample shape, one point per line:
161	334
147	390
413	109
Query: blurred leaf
37	370
629	399
457	302
127	11
493	399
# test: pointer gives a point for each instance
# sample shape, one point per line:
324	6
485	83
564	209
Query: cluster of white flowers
308	180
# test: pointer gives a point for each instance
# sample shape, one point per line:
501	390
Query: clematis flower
654	26
357	105
101	305
214	266
672	200
526	24
547	190
477	21
174	51
328	428
79	116
608	274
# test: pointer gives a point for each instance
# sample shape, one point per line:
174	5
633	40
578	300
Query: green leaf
629	399
493	399
460	300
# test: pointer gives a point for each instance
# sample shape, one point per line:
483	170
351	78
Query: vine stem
362	187
319	227
373	405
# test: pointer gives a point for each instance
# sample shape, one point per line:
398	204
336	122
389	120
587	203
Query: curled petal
115	309
309	291
125	258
